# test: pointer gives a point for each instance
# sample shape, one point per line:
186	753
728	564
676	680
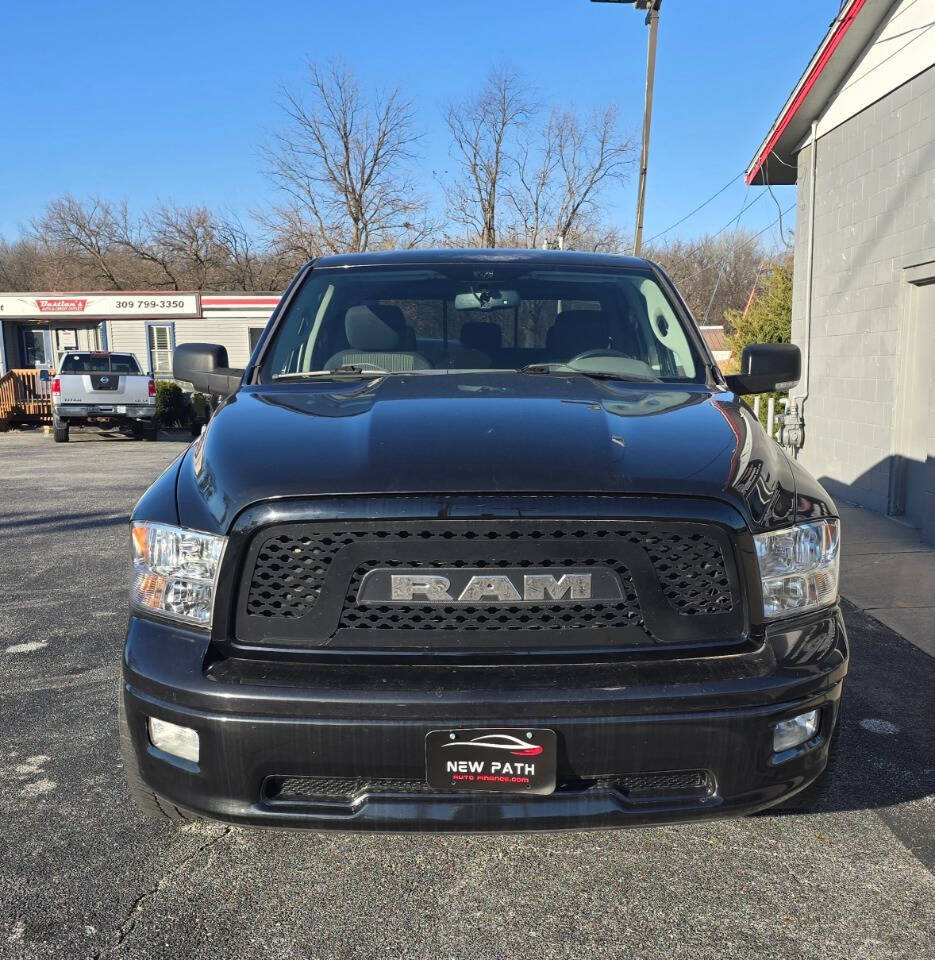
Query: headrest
375	327
568	317
479	335
575	331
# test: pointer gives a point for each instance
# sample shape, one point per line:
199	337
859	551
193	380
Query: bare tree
176	246
24	265
84	232
589	156
133	234
186	236
247	265
550	185
86	245
531	193
290	233
483	132
713	274
341	168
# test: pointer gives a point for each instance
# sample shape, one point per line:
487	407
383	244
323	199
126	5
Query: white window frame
160	375
250	329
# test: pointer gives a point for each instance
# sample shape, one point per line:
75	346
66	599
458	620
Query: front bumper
260	722
109	411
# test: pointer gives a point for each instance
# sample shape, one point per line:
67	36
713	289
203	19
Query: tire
60	431
151	432
149	804
814	797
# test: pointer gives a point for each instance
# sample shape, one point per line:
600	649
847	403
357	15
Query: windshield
99	363
476	316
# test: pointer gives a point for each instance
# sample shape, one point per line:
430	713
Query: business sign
99	306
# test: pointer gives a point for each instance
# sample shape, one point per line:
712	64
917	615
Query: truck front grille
677	582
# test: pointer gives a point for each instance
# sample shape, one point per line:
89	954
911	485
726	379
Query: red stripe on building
238	302
806	87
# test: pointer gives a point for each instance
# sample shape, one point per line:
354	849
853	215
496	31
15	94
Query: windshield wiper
366	370
593	374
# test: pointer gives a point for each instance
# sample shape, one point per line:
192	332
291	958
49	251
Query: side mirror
765	367
204	366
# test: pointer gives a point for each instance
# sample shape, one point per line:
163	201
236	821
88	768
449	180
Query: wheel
148	803
60	431
151	432
814	796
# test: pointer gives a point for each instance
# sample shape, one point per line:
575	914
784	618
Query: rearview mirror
204	366
765	367
487	299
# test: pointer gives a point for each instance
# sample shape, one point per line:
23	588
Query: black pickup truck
482	540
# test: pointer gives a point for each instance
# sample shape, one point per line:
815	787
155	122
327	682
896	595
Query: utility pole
652	21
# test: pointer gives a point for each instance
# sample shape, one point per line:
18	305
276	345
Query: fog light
179	741
790	733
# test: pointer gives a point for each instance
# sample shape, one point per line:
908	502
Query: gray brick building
857	136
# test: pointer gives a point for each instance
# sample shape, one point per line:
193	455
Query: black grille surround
678	581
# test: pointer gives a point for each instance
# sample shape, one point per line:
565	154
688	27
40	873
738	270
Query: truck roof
552	258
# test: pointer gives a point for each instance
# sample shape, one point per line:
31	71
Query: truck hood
499	432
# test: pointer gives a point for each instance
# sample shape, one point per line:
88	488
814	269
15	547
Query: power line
720	273
719	259
769	187
732	220
700	206
783	213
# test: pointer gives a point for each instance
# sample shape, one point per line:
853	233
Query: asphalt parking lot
81	875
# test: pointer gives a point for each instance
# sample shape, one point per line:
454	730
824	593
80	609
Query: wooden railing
26	397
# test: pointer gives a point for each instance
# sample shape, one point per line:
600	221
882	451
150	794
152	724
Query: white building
36	327
857	135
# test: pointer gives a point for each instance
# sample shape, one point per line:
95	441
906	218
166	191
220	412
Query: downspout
793	434
810	258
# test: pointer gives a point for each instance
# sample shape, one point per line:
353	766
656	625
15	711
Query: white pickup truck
97	388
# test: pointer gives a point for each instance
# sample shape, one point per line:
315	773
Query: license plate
496	759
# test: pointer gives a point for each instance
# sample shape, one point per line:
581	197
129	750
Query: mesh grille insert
347	790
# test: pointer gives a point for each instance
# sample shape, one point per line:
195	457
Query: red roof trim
810	80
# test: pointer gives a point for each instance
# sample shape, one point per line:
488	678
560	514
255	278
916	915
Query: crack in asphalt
136	908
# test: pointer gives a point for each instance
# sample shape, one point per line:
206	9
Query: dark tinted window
123	363
99	363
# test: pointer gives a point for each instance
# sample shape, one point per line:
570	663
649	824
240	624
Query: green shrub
200	408
170	404
768	320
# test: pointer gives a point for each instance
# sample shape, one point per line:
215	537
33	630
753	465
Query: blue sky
173	100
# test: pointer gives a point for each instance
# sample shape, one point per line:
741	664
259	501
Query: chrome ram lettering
576	585
489	588
420	588
496	588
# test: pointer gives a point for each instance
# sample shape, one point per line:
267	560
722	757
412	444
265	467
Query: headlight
175	571
798	567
